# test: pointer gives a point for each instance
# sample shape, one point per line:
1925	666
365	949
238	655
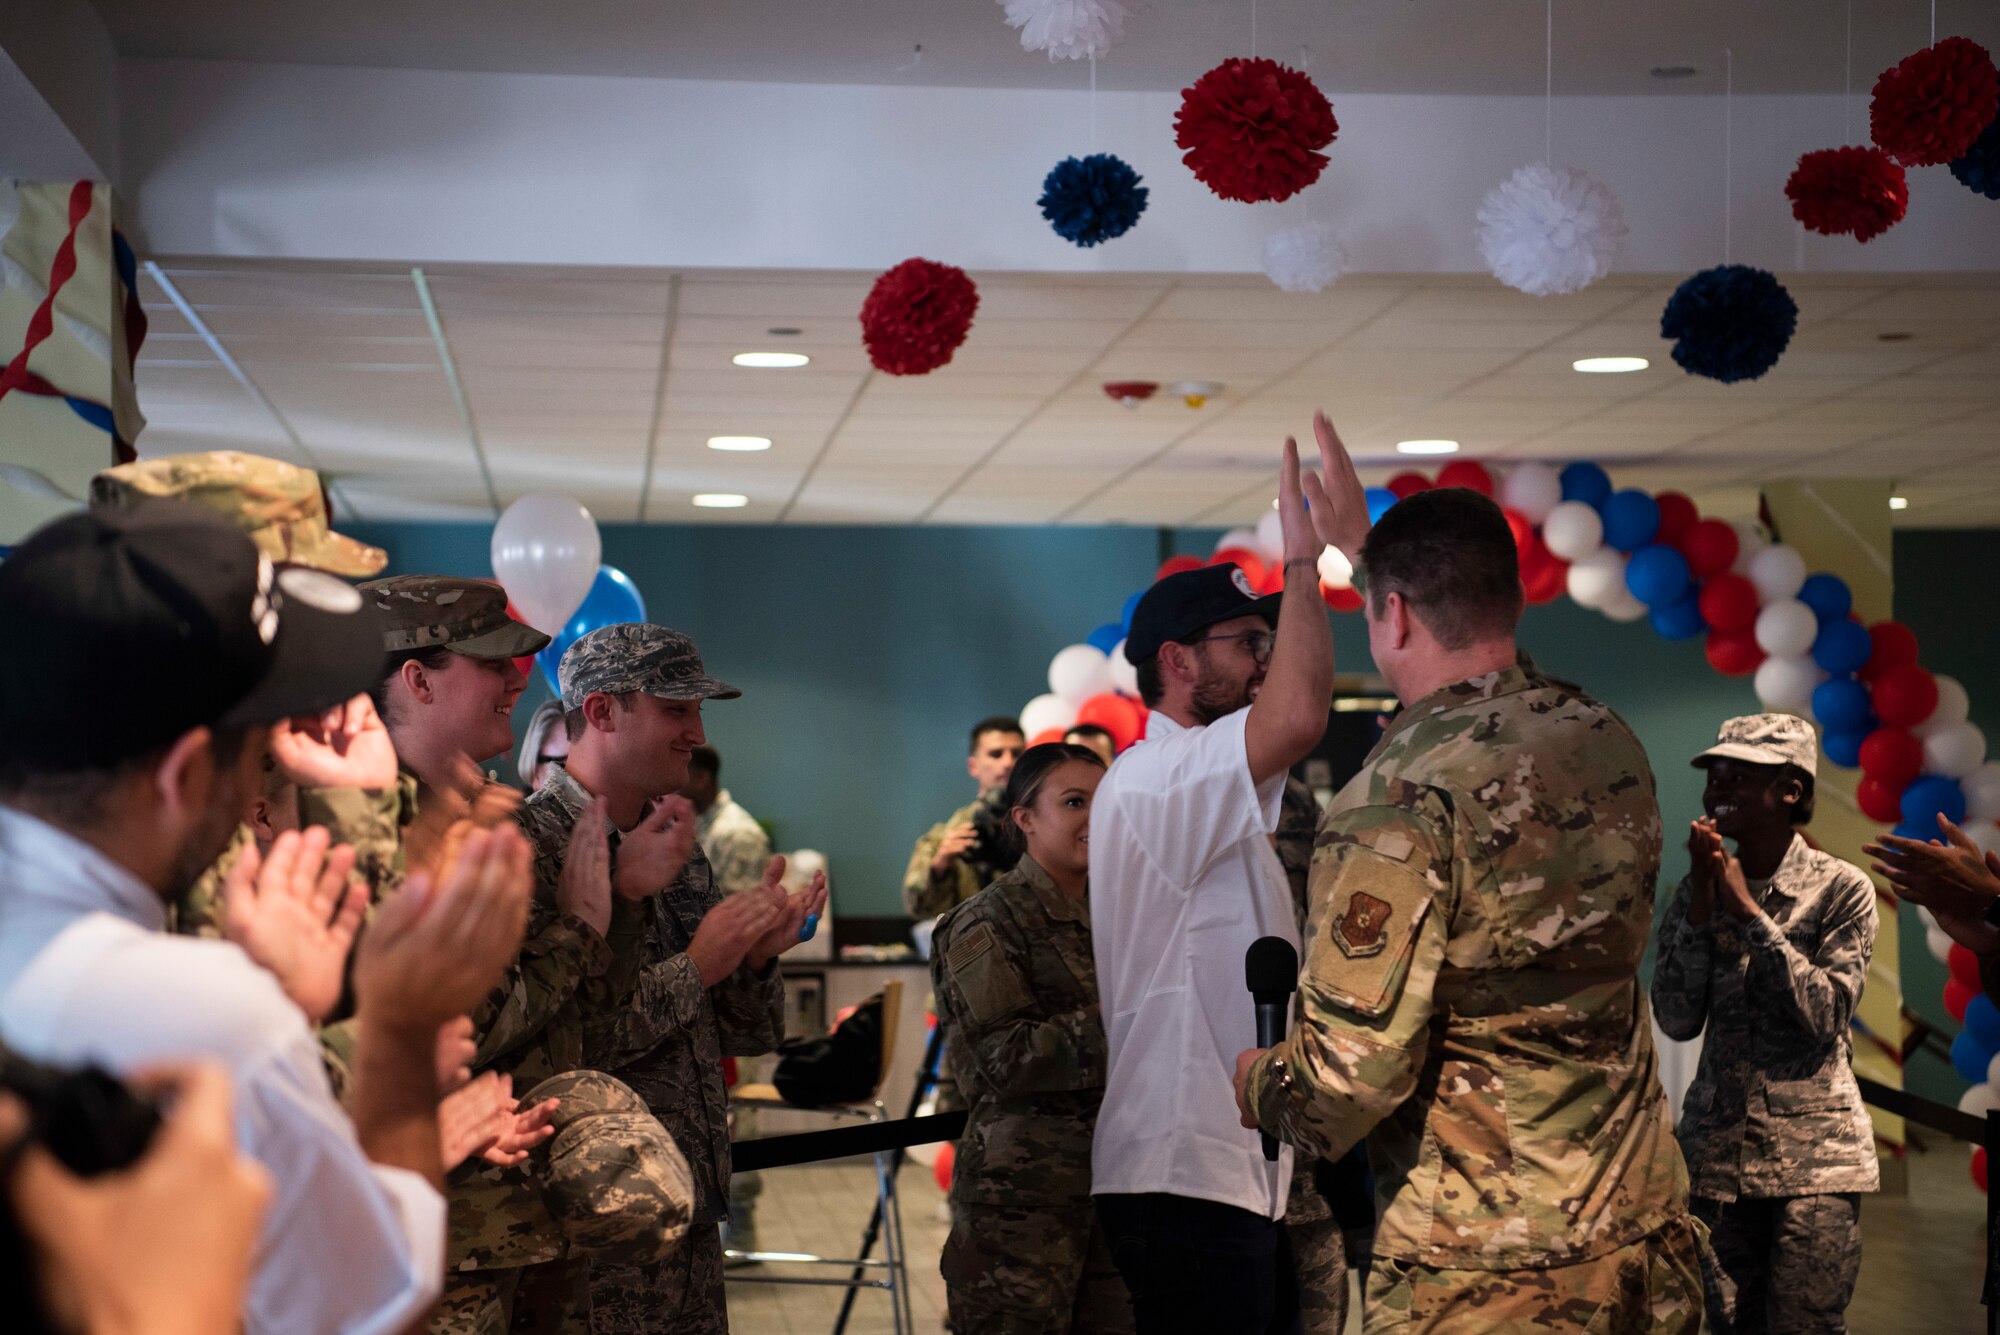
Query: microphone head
1271	966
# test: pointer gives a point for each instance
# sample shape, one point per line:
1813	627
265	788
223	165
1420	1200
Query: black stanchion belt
747	1156
1947	1121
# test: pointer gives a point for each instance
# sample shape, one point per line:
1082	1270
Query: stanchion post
1990	1294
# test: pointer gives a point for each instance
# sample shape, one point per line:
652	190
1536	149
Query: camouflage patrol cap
616	1185
637	656
1765	739
466	616
281	506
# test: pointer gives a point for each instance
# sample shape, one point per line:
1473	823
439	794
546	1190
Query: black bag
843	1067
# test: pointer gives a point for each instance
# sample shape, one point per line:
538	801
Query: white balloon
1785	684
1939	945
1982	792
1573	530
546	551
1993	1070
1953	706
1956	753
1927	918
1985	836
1750	539
1245	538
1270	536
1124	675
1532	491
1079	672
1786	627
1335	569
1979	1100
1778	572
1045	712
1624	607
1597	578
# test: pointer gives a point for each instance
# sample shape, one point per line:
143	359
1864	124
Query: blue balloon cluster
1379	501
1586	482
1631	518
1841	705
1105	638
1978	169
1657	575
613	599
1125	613
1680	620
1928	797
1843	747
1093	199
1730	323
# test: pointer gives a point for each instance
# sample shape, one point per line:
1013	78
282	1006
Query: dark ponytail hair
1032	771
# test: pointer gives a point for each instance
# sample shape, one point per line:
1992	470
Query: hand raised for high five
1327	508
345	747
296	912
792	910
654	852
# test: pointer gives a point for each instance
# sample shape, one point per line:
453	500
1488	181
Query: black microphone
1271	972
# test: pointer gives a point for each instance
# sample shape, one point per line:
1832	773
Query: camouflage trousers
1784	1265
681	1295
1652	1287
1319	1252
548	1299
1031	1272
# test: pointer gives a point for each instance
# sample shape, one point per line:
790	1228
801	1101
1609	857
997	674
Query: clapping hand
344	747
295	912
1952	878
654	852
1714	863
583	890
729	932
481	1118
791	912
455	1051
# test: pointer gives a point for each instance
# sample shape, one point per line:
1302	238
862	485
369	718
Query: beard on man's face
207	841
1218	694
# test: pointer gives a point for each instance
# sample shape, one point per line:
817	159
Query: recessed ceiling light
1427	447
1609	365
1899	502
1897	336
721	500
771	359
745	444
784	331
1673	71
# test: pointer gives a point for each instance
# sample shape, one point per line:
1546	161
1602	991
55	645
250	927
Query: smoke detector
1195	393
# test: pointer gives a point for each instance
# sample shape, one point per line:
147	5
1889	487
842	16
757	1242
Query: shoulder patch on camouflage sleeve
1378	903
991	986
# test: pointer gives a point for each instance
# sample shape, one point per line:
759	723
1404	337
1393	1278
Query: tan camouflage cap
637	656
466	616
280	505
616	1184
1765	739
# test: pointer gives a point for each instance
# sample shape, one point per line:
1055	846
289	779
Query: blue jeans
1201	1268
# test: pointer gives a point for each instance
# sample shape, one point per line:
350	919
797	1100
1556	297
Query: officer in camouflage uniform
958	857
1765	953
1470	995
1016	983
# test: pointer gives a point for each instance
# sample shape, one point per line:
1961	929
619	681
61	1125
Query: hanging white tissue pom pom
1067	29
1549	230
1304	259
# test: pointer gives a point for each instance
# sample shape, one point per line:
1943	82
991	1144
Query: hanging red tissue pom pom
1930	108
1251	128
916	315
1858	191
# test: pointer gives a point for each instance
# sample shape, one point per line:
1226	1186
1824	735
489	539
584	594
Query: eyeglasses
1258	642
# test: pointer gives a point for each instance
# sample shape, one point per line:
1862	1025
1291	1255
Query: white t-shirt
1182	879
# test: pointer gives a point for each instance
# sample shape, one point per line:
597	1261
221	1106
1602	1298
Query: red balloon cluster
1678	518
1929	108
1710	546
1252	130
1406	485
1467	473
1175	565
1251	564
1121	716
916	316
1858	192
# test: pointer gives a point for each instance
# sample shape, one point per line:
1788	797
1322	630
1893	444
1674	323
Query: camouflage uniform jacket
1298	826
662	1033
925	898
1017	990
1774	1109
1481	892
734	844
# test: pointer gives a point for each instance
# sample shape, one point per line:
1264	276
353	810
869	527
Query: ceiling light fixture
1427	447
721	500
1899	502
1609	365
743	444
784	331
771	360
1673	71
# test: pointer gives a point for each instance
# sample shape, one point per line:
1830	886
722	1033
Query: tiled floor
1920	1272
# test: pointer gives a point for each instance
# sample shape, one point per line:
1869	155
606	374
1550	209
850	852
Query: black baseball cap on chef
1181	604
124	629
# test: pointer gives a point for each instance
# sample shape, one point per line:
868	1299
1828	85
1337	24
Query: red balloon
1957	996
1892	757
1467	473
1964	966
1274	579
1047	735
1544	578
1340	600
1878	800
1710	545
1115	714
1524	532
1979	1167
1733	653
1677	517
941	1166
1904	695
1251	564
1174	565
1729	603
1895	646
525	664
1406	485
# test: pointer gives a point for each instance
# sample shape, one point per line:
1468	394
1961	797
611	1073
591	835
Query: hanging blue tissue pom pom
1979	169
1088	200
1730	323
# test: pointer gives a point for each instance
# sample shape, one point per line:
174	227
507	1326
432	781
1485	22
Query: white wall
323	163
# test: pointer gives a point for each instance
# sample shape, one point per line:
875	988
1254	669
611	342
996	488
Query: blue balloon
1842	646
1930	796
1903	831
612	600
1106	636
1379	501
1828	596
1841	704
1131	605
1680	620
1843	747
1586	482
1658	576
1631	518
1969	1056
1982	1021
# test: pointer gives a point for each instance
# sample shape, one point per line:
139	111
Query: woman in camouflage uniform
1017	989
